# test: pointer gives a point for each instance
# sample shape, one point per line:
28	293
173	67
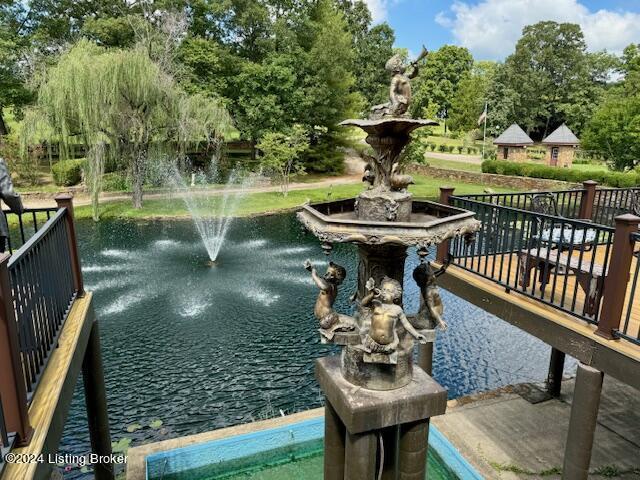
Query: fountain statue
378	403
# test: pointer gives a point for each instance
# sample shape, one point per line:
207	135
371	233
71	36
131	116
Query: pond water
189	347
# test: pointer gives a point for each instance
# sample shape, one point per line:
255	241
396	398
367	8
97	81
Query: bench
590	276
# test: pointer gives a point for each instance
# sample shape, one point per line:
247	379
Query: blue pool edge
449	455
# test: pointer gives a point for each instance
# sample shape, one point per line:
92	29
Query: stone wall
490	179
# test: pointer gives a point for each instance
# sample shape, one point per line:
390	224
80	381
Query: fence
558	261
568	202
38	285
608	203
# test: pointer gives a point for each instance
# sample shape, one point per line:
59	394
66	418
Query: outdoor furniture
558	234
589	275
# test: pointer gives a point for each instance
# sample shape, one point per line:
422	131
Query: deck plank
45	404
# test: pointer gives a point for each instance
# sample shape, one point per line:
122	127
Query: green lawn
256	203
453	165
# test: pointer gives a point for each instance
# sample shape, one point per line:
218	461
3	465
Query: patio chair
558	234
635	202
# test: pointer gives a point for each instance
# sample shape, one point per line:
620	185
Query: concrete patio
504	434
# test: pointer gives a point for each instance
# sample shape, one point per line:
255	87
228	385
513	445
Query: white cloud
378	9
491	28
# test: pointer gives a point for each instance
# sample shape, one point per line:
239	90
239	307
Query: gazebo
512	144
561	145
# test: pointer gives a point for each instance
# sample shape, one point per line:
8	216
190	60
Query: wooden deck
49	408
562	331
563	289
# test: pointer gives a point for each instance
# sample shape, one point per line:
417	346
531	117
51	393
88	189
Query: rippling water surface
202	347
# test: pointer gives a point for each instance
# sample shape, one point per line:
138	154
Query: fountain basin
288	447
429	223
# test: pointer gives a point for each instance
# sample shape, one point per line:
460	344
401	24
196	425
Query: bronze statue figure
330	320
399	182
385	315
431	309
400	89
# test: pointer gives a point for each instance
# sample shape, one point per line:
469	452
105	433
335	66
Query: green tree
120	103
13	91
329	81
469	101
439	79
614	129
373	46
281	154
549	79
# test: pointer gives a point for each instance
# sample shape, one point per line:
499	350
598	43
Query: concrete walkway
504	436
80	198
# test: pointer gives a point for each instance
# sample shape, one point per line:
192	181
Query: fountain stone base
365	428
383	206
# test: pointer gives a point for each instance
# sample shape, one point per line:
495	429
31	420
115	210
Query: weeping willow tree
123	107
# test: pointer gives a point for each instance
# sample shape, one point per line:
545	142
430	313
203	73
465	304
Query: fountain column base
384	206
366	416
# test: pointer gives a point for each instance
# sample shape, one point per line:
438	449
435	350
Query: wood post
96	404
588	197
582	423
66	201
556	370
13	390
617	278
443	248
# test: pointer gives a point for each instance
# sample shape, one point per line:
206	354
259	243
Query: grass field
453	165
265	202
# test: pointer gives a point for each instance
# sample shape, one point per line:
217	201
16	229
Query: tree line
281	69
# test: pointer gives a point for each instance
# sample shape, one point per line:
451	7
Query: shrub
612	179
442	148
116	182
460	148
432	146
450	148
68	172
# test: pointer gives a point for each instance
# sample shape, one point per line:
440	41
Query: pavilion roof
561	136
513	135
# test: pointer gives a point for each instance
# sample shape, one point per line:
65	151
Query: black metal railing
608	203
24	225
630	326
567	201
43	291
561	262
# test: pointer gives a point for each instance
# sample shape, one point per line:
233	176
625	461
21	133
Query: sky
490	28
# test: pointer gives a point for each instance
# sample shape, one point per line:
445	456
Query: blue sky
490	28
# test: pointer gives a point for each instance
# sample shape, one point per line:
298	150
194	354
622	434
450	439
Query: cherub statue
385	315
400	89
430	314
330	320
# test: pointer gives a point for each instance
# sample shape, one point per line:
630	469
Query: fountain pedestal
366	427
378	402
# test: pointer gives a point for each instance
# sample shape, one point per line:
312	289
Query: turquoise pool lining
247	444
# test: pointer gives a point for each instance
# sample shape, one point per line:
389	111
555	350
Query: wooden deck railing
574	265
38	285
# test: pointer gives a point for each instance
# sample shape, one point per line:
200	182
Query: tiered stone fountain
378	403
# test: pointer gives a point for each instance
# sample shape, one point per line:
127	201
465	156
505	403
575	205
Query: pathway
501	433
46	200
